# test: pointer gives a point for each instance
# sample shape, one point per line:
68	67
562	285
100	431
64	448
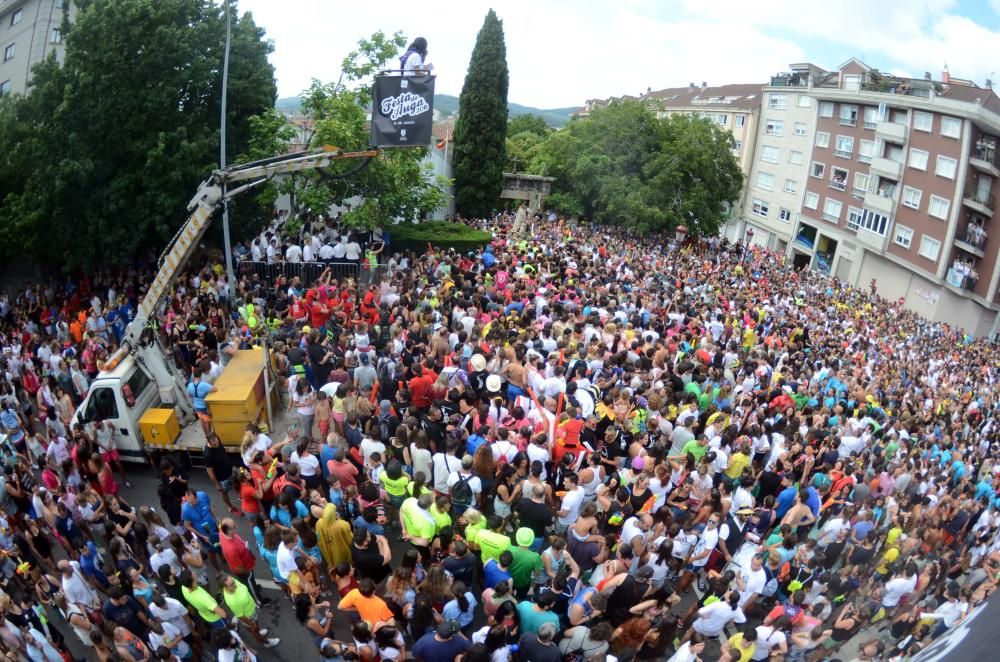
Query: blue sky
562	52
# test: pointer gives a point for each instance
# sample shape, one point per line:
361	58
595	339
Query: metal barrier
307	272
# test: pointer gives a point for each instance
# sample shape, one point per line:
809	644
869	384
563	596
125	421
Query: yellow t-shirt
890	556
737	463
736	644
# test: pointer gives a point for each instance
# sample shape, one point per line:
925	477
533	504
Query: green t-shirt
441	518
416	523
526	563
203	602
240	602
491	544
531	619
394	487
694	448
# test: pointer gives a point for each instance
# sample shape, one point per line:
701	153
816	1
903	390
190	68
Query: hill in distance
447	105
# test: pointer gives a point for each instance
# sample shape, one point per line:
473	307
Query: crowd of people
583	445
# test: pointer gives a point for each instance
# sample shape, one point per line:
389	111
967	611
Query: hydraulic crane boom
211	194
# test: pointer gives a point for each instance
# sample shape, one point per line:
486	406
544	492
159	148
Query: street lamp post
230	274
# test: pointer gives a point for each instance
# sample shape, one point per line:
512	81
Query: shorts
340	418
514	391
226	484
324	428
203	415
110	456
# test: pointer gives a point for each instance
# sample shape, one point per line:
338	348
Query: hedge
440	234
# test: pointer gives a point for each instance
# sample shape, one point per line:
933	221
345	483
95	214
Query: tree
398	184
481	129
624	166
528	122
520	149
114	142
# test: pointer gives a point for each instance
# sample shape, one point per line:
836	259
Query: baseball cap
645	572
447	629
525	537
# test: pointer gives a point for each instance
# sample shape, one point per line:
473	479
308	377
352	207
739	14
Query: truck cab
121	396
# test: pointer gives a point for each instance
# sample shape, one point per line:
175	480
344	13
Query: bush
440	234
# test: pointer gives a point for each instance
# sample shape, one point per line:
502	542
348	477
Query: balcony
981	204
838	183
886	167
962	276
985	161
892	132
973	240
883	203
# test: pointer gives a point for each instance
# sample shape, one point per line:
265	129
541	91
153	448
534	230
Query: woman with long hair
437	586
503	492
422	617
485	468
310	614
400	591
629	636
461	607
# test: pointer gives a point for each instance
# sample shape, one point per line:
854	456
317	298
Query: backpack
771	585
461	491
383	427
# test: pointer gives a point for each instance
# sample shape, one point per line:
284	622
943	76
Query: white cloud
561	52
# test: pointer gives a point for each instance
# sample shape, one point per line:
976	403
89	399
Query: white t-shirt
708	540
286	561
571	502
505	448
170	632
239	653
753	583
474	483
714	617
630	529
896	589
540	453
767	638
444	464
293	254
261	443
172	613
369	446
308	465
353	251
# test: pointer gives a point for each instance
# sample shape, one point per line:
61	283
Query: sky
562	52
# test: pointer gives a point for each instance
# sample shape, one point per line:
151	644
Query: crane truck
139	375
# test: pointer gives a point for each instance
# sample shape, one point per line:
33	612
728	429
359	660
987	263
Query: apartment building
735	107
896	185
29	32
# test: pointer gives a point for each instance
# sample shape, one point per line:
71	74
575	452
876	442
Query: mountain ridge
446	105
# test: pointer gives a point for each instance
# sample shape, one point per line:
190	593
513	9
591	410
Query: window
812	200
776	101
951	127
791	186
800	128
911	197
774	127
737	144
938	207
785	215
848	115
871	117
759	207
844	147
922	121
55	37
723	119
818	169
765	180
826	109
8	53
769	154
903	236
929	248
831	210
795	157
874	222
838	178
853	218
804	101
822	139
15	18
866	150
740	120
4	88
101	404
918	159
945	167
860	184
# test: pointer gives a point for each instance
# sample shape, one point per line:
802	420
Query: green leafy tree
528	122
481	130
624	166
521	148
106	150
398	184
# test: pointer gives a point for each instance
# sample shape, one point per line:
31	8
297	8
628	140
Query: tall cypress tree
481	130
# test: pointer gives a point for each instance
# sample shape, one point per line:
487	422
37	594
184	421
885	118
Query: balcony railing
838	185
983	200
986	154
896	87
974	236
842	153
962	276
848	121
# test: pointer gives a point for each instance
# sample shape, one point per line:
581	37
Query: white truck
139	375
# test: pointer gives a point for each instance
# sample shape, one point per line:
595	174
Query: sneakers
263	632
266	602
271	643
701	586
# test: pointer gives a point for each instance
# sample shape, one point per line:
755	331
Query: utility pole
230	275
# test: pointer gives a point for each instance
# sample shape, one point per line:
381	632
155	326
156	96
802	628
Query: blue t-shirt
452	611
493	574
430	649
785	500
198	393
326	453
284	518
200	516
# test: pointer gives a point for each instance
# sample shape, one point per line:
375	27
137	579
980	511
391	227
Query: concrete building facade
29	32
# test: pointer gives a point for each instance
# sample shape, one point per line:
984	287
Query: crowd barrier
363	274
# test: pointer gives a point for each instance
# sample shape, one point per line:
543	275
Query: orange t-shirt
372	610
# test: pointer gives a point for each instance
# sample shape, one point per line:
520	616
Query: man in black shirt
125	611
461	564
219	468
533	512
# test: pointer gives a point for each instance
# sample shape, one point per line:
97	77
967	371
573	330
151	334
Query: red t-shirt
237	554
248	498
318	314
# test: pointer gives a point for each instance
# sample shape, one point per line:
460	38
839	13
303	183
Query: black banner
402	111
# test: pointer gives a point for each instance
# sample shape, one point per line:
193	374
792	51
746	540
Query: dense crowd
593	446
